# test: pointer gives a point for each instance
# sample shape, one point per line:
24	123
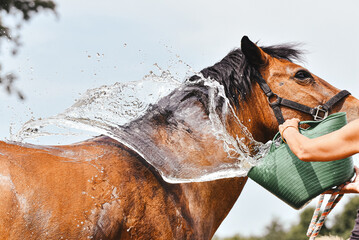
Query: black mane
236	74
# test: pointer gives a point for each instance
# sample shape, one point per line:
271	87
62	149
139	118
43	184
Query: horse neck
208	203
186	136
256	116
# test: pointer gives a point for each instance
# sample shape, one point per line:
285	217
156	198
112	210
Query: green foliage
345	220
299	230
14	8
26	7
237	237
274	231
342	227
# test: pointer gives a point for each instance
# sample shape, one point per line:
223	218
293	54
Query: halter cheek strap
320	112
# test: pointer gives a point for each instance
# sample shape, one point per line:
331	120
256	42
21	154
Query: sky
93	43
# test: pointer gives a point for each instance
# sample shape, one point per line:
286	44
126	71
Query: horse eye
301	75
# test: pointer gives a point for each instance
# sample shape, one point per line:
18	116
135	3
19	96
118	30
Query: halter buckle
273	99
320	113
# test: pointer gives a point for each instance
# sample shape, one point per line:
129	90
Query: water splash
242	152
105	109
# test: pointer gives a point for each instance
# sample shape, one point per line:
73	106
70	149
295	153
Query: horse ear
254	54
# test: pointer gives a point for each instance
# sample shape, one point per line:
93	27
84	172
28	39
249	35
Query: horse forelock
236	74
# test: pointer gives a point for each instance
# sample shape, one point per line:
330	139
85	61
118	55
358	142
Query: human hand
348	187
287	124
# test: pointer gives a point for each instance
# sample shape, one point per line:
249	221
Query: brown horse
102	189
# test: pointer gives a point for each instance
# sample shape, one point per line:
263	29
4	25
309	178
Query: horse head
287	80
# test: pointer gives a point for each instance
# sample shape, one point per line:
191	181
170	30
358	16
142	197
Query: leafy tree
238	237
343	225
25	10
344	221
299	231
274	231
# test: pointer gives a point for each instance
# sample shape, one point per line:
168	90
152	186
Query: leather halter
320	112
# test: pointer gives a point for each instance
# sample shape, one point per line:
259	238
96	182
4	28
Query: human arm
333	146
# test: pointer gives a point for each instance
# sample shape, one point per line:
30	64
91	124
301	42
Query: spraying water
103	108
108	110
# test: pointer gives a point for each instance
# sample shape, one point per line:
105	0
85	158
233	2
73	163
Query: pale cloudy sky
59	57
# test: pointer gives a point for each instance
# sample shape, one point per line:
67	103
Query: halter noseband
320	112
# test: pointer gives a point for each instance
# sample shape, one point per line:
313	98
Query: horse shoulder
150	208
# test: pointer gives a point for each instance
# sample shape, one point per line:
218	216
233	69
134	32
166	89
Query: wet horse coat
102	189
